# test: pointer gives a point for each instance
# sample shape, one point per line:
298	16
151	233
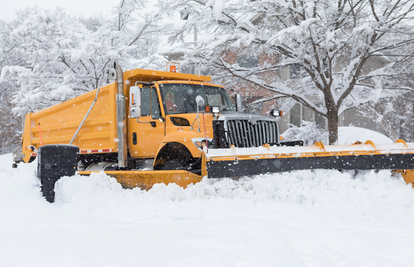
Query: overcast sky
73	7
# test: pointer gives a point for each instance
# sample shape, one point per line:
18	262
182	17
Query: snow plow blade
235	162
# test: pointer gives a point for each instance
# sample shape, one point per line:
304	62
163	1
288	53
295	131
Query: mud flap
54	162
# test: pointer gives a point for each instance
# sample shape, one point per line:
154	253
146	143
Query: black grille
241	133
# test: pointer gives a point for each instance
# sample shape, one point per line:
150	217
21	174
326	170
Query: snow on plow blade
248	161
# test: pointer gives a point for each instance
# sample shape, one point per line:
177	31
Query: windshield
180	98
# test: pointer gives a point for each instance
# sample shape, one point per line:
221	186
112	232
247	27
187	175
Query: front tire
175	165
174	156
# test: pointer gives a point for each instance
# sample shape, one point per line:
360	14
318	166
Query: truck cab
168	124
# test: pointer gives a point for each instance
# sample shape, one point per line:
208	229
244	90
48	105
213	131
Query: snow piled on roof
303	218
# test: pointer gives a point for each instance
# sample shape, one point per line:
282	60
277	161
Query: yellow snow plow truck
166	127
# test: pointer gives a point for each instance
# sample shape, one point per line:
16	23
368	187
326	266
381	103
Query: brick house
254	97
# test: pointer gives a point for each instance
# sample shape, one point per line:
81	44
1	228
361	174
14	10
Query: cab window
149	102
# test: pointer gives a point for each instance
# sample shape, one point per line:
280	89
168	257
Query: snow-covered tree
342	52
65	56
10	124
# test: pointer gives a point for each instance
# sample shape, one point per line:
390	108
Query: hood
252	118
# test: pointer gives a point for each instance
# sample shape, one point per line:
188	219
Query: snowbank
346	135
349	135
304	218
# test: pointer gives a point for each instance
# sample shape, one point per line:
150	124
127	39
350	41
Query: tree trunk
333	128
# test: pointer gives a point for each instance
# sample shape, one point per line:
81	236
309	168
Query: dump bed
58	124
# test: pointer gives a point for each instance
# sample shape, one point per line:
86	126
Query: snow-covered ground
304	218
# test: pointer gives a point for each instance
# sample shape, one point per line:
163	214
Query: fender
184	138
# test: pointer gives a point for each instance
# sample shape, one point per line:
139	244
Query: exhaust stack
120	117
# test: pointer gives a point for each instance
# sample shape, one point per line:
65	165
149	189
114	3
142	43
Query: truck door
145	132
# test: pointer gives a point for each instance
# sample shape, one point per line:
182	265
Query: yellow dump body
58	124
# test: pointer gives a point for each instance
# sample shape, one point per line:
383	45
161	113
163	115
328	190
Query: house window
296	115
205	71
247	62
189	69
195	69
320	121
299	113
294	71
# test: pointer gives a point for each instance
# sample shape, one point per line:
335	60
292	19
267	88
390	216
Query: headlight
200	142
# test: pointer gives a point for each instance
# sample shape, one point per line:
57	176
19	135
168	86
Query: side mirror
135	101
238	100
200	101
